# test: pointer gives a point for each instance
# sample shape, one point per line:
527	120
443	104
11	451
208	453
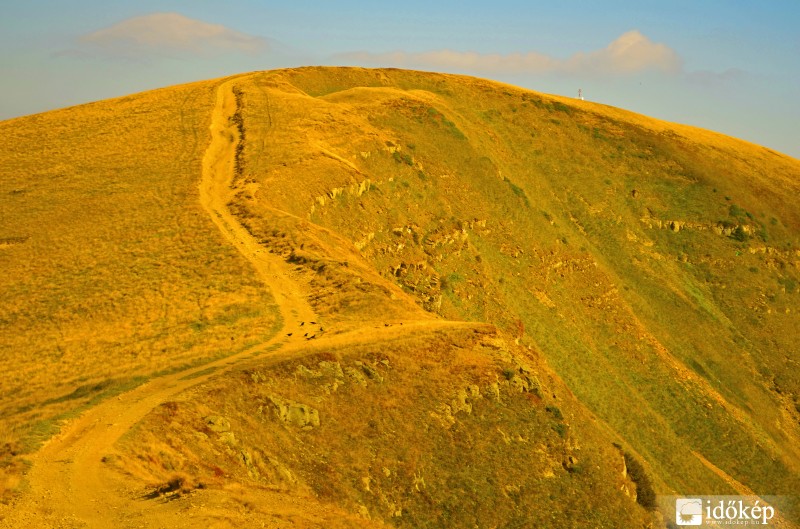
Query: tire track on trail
69	484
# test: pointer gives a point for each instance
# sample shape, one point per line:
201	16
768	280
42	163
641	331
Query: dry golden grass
452	428
653	267
111	269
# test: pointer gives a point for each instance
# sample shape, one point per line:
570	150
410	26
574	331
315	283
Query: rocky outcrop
294	413
722	228
355	189
217	423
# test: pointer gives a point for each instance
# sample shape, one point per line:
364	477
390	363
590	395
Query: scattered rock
295	413
371	371
217	423
524	383
494	390
570	462
463	401
331	369
227	438
305	372
444	416
247	459
357	375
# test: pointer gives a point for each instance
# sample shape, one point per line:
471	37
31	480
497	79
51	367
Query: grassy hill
654	266
112	270
632	283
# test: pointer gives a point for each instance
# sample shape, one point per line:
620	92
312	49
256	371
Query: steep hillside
654	266
451	427
632	288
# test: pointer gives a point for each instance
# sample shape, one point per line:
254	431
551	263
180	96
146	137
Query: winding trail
215	195
69	484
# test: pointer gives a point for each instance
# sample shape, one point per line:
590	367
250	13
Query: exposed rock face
218	424
725	229
295	413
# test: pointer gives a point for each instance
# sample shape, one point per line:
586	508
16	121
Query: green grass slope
653	265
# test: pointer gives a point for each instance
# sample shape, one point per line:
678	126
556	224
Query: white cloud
169	33
631	52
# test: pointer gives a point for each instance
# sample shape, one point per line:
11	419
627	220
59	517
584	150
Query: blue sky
731	66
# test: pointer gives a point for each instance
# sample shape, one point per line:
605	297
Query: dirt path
216	193
70	485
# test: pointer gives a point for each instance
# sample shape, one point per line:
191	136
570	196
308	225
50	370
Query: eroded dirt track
70	483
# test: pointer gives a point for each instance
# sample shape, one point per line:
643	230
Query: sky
731	66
